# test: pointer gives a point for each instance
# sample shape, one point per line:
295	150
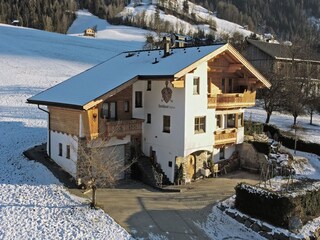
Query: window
222	153
126	106
149	86
138	98
109	110
231	120
148	118
105	110
166	124
196	86
68	152
240	120
60	149
223	85
218	121
200	125
170	164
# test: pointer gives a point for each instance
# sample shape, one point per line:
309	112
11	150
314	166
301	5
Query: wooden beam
178	84
231	68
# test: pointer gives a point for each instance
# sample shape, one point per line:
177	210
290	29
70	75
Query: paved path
142	210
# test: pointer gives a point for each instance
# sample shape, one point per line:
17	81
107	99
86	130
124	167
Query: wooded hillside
50	15
285	18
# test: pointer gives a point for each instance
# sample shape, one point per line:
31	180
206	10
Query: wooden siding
120	98
64	120
234	100
93	126
123	128
224	137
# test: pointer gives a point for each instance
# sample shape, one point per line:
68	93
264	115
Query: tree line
49	15
285	18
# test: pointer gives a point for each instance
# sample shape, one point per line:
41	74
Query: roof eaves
257	45
56	104
192	66
248	65
154	77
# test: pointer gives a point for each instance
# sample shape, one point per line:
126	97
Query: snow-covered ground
33	204
307	132
104	29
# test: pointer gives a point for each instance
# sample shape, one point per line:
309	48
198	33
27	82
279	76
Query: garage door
117	153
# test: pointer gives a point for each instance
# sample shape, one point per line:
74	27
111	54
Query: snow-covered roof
125	68
102	78
284	52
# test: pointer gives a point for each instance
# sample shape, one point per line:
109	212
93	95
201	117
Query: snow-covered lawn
307	132
33	204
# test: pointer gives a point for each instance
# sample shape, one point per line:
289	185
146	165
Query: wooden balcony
232	100
123	128
225	136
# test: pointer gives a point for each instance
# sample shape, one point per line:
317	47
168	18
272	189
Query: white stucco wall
197	106
166	145
138	86
69	165
240	135
229	150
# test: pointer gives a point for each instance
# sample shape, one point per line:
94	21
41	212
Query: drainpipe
49	132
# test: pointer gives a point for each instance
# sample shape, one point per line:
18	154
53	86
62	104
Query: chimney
166	46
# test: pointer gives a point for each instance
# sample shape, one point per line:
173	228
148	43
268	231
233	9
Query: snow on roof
101	79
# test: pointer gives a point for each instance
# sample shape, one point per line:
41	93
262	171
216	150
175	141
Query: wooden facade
232	100
225	137
122	128
64	120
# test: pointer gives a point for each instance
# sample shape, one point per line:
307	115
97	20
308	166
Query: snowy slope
33	204
85	20
202	14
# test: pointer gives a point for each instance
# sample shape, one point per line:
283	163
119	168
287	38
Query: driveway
142	210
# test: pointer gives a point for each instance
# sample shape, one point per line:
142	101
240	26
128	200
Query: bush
279	208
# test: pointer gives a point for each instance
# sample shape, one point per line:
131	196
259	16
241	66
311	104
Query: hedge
288	141
277	208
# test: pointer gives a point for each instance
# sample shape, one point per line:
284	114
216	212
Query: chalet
90	32
179	106
15	22
271	58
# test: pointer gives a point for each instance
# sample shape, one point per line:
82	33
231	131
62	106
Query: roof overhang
103	97
55	104
236	54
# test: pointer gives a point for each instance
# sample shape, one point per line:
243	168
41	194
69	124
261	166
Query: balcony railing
232	100
123	128
225	136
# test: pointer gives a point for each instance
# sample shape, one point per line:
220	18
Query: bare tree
273	96
297	75
100	165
